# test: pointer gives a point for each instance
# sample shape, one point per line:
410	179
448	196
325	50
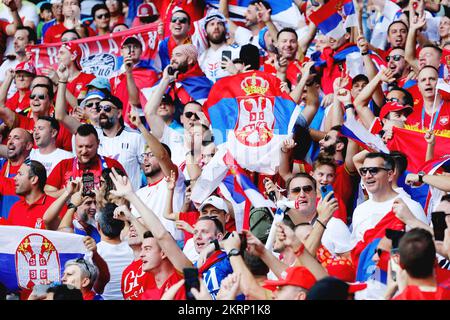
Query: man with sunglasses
41	99
101	16
400	68
180	27
377	174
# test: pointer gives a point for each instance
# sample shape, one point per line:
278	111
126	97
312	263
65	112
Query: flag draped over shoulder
390	221
412	143
31	256
100	54
334	16
250	117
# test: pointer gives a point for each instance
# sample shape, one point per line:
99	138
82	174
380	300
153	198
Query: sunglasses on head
190	114
83	262
396	57
372	170
306	189
179	19
103	16
39	96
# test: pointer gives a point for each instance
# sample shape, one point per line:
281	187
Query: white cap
216	202
56	1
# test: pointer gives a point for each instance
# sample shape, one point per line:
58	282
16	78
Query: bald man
18	148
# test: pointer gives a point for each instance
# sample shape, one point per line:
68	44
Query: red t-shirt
9	171
135	281
7	185
63	140
54	33
343	185
443	117
15	105
292	71
68	169
30	215
77	85
156	293
414	293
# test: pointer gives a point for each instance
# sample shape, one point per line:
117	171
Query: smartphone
439	225
170	71
191	281
243	238
88	183
324	190
226	53
187	183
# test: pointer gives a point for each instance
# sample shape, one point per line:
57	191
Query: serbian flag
251	117
331	18
357	132
404	138
100	54
244	189
284	12
389	221
29	256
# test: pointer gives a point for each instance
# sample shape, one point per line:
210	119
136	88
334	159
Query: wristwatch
233	252
71	206
420	174
348	106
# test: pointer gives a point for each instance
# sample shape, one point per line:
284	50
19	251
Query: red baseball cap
394	106
26	67
147	10
130	39
75	50
295	276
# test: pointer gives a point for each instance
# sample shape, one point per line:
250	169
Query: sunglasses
104	108
393	100
378	251
190	114
306	189
179	19
92	104
372	170
396	57
39	96
103	16
83	262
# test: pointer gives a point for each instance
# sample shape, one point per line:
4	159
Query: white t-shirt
154	196
369	213
125	148
243	36
175	140
210	61
117	257
49	161
337	237
28	12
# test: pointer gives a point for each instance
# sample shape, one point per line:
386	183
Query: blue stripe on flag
330	23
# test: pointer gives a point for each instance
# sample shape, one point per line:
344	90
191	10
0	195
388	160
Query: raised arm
124	189
248	284
155	122
133	91
103	270
441	182
430	138
17	22
5	85
415	23
70	122
168	213
223	8
304	42
285	170
159	152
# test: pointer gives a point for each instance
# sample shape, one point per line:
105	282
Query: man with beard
338	147
210	60
87	160
45	132
19	145
157	164
29	210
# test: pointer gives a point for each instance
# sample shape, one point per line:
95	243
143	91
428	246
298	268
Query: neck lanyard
433	117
